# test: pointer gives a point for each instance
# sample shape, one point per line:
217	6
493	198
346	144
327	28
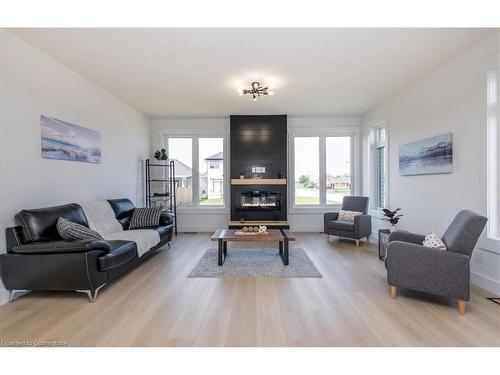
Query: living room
154	194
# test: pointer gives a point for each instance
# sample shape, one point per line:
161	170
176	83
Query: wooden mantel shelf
258	181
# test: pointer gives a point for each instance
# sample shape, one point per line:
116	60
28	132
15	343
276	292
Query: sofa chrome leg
13	293
394	291
461	306
91	294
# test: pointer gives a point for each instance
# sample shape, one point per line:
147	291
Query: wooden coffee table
282	236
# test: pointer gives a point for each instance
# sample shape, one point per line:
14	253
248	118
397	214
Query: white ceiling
195	72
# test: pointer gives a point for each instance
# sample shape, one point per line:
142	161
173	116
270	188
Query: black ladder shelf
160	187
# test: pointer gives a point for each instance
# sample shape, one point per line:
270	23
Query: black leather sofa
38	258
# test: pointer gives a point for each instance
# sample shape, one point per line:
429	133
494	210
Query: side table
383	242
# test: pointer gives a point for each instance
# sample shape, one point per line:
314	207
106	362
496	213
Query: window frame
377	144
195	135
322	134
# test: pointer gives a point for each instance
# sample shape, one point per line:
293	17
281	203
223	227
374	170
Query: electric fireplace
259	200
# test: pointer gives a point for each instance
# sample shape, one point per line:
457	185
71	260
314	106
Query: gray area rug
248	262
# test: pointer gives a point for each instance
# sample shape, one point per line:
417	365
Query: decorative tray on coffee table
241	233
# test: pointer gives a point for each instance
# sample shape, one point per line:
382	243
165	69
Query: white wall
448	100
33	84
204	220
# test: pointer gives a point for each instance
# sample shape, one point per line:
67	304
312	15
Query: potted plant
161	154
242	174
392	217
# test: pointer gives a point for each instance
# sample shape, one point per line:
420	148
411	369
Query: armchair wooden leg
394	291
461	306
357	244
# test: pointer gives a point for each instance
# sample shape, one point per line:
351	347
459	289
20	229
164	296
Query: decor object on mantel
242	174
256	91
161	154
427	156
392	217
64	141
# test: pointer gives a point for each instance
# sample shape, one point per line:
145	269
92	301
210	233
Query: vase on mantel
393	228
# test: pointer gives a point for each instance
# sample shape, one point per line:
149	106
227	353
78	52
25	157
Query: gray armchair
360	228
444	273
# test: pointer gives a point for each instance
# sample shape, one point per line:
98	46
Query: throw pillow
432	240
73	231
345	215
145	217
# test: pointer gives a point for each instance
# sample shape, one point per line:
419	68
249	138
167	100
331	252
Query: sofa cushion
120	253
73	231
145	217
123	209
346	226
40	224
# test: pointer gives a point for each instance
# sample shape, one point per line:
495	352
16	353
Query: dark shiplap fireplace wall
258	142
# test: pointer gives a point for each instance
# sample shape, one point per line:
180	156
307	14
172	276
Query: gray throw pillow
145	217
73	231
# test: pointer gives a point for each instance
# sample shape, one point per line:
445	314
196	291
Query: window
322	170
211	172
306	170
493	154
338	169
380	158
180	150
199	170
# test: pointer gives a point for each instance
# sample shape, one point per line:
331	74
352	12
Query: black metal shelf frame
168	187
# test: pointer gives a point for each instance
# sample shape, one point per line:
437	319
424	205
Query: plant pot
393	228
242	177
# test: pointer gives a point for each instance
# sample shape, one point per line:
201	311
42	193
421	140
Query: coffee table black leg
285	252
225	249
220	260
280	247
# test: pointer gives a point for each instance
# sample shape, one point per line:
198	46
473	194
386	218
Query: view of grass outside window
181	151
306	150
211	169
338	169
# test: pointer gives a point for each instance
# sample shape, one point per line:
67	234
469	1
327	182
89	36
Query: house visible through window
211	168
322	170
180	150
204	157
338	169
306	167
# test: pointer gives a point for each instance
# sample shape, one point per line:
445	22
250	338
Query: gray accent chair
360	228
441	272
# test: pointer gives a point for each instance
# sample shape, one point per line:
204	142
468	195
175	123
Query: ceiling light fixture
256	91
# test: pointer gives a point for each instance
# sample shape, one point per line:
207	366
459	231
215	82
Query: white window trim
375	186
322	133
195	135
491	63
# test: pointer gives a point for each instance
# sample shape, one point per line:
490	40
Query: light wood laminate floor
158	305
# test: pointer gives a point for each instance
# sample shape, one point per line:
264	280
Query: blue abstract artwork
62	140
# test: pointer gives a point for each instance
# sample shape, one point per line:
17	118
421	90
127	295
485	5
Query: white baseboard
485	282
4	297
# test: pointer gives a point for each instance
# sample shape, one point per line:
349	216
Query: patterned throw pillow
348	215
73	231
432	240
145	217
